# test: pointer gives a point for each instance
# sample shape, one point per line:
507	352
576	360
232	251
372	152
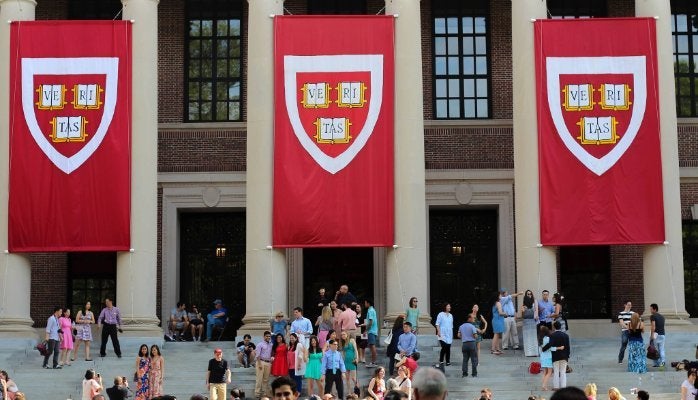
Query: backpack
534	368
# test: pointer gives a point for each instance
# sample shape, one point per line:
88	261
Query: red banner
598	124
333	134
70	107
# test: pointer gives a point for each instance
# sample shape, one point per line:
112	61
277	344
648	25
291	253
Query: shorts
179	325
196	322
361	343
372	339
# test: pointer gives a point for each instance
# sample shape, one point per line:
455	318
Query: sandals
496	352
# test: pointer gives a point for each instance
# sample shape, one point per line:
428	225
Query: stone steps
593	360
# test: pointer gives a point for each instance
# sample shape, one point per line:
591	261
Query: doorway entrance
331	267
463	261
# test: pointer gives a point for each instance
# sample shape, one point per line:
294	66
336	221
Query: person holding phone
120	390
91	385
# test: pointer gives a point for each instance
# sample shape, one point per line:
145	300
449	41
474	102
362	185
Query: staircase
593	360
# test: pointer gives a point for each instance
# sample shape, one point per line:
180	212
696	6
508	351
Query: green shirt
371	315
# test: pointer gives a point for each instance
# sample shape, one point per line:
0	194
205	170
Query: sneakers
516	347
169	338
371	365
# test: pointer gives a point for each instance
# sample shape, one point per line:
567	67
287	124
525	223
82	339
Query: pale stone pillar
15	269
136	271
407	265
266	274
663	264
536	266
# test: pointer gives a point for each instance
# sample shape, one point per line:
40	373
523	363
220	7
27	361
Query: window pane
452	25
206	91
441	88
453	68
481	65
206	111
440	46
468	65
439	25
682	44
194	91
452	45
222	48
468	87
453	88
222	28
207	28
440	66
194	28
441	109
234	25
454	108
234	48
482	108
234	71
482	88
234	91
206	48
681	23
469	109
206	69
221	68
467	45
222	91
481	45
194	48
480	25
221	111
193	111
194	69
467	25
234	111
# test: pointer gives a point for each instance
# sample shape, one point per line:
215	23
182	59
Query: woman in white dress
444	332
83	320
529	312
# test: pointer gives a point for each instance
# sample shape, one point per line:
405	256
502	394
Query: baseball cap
502	290
217	301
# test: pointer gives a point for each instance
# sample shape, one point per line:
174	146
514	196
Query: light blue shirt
545	308
371	315
333	360
467	332
507	305
445	323
52	327
302	325
407	342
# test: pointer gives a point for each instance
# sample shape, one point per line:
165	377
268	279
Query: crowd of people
326	354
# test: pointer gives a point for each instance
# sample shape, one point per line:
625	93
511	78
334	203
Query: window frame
215	11
690	10
575	9
95	10
460	11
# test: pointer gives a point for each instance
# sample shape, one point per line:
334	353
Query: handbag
388	338
534	368
652	352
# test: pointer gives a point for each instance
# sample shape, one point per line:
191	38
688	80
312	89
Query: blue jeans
469	354
211	322
623	345
659	344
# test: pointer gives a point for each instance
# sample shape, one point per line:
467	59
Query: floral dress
279	367
84	327
66	326
155	376
637	355
142	382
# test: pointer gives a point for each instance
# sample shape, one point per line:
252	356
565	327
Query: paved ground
593	360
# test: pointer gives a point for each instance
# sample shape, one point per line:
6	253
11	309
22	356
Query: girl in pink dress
157	371
65	324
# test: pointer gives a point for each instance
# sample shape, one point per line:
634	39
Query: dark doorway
690	265
591	265
463	261
212	263
331	267
93	279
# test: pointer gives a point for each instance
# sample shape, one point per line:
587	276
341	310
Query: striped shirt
625	317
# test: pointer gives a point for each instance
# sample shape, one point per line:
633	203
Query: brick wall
171	61
49	285
626	278
468	148
201	151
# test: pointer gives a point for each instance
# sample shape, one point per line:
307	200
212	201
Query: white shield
373	63
634	65
108	66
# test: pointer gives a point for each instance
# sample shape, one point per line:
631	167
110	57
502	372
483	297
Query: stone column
266	273
663	264
536	266
136	271
407	271
15	269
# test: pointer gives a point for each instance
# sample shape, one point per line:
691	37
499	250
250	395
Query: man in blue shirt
53	338
467	332
216	317
545	309
511	334
371	322
407	342
333	368
301	326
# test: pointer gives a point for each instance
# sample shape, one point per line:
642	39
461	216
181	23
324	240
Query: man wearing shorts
179	322
372	330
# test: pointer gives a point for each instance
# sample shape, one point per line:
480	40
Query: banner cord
399	280
118	13
130	278
540	249
271	276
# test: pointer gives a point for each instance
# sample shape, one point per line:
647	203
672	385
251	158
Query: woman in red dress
279	360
